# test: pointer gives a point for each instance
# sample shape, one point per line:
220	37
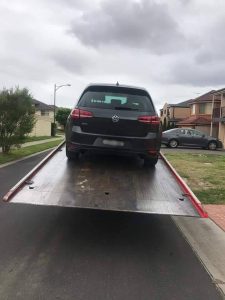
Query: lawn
204	173
22	152
38	138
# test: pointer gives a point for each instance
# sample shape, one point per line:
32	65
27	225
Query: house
171	114
44	114
205	111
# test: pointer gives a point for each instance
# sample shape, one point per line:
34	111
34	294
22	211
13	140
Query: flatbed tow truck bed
108	183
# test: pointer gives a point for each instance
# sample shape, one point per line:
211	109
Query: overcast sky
175	49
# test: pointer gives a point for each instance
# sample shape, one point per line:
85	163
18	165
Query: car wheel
173	143
72	155
212	145
150	161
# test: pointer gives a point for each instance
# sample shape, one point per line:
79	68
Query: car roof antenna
117	83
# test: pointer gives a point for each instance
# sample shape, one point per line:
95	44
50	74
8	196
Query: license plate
113	143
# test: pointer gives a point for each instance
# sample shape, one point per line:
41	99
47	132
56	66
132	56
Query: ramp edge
194	200
27	177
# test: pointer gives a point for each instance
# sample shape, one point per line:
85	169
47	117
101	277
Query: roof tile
196	120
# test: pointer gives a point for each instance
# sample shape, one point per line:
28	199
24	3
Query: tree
62	115
16	117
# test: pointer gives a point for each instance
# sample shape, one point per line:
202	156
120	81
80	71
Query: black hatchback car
189	137
114	118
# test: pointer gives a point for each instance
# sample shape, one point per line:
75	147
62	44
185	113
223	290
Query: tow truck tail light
79	113
154	120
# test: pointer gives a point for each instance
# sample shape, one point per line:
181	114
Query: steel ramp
104	182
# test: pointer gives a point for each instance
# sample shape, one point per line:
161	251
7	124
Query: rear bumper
73	147
149	145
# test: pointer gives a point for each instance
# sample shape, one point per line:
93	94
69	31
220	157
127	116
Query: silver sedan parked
189	137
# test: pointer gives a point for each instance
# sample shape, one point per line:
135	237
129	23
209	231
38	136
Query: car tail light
154	120
152	151
75	113
85	114
79	113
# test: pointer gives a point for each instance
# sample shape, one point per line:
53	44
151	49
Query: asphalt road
64	253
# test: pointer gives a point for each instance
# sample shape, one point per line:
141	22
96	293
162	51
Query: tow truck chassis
107	183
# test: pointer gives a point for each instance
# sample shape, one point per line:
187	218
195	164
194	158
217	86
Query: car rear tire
212	145
173	143
150	161
72	155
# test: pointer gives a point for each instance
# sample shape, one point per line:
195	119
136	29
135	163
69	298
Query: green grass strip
38	138
211	196
23	152
204	173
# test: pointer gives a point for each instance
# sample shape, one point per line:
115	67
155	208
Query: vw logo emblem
115	119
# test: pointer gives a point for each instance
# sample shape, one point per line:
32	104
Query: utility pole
56	87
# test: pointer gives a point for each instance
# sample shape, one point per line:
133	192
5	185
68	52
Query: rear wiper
125	108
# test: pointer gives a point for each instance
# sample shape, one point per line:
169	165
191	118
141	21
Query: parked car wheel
173	143
212	145
150	162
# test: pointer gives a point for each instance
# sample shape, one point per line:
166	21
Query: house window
44	113
202	108
193	109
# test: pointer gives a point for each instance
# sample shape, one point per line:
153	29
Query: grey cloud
72	61
185	2
203	57
72	4
203	65
213	45
144	24
197	75
163	45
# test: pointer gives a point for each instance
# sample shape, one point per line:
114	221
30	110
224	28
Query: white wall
42	127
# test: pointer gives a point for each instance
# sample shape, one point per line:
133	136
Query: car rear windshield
117	98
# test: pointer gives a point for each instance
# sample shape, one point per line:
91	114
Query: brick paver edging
216	213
